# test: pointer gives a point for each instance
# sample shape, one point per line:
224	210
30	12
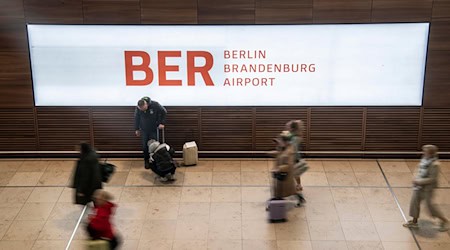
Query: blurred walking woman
87	176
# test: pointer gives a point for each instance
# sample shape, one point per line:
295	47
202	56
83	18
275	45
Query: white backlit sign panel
229	65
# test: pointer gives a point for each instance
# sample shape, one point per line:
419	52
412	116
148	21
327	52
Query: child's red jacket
100	221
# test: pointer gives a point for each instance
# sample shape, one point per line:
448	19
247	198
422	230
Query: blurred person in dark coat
87	177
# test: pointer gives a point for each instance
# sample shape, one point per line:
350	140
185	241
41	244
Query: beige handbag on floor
190	153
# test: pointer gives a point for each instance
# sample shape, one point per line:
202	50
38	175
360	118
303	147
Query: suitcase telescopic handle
158	137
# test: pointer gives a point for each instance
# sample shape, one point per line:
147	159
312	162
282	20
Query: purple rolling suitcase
277	205
277	210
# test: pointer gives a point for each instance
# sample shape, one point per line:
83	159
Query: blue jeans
145	137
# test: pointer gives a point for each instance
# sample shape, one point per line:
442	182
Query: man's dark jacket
149	120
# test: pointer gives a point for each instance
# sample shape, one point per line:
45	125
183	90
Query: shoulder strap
162	145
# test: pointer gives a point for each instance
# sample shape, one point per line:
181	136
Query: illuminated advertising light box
229	65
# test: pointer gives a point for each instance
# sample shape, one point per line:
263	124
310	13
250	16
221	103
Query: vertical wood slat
91	127
253	128
36	128
364	130
308	129
419	139
200	143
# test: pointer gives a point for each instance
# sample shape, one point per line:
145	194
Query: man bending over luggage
148	117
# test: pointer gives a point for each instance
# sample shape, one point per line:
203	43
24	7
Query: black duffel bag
107	169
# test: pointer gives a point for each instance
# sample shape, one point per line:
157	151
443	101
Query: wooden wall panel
227	128
392	129
15	95
11	9
13	36
342	11
401	10
226	12
169	11
54	11
62	129
441	9
14	66
270	121
17	131
440	35
15	80
111	11
220	128
114	129
283	11
437	84
336	129
182	126
436	127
